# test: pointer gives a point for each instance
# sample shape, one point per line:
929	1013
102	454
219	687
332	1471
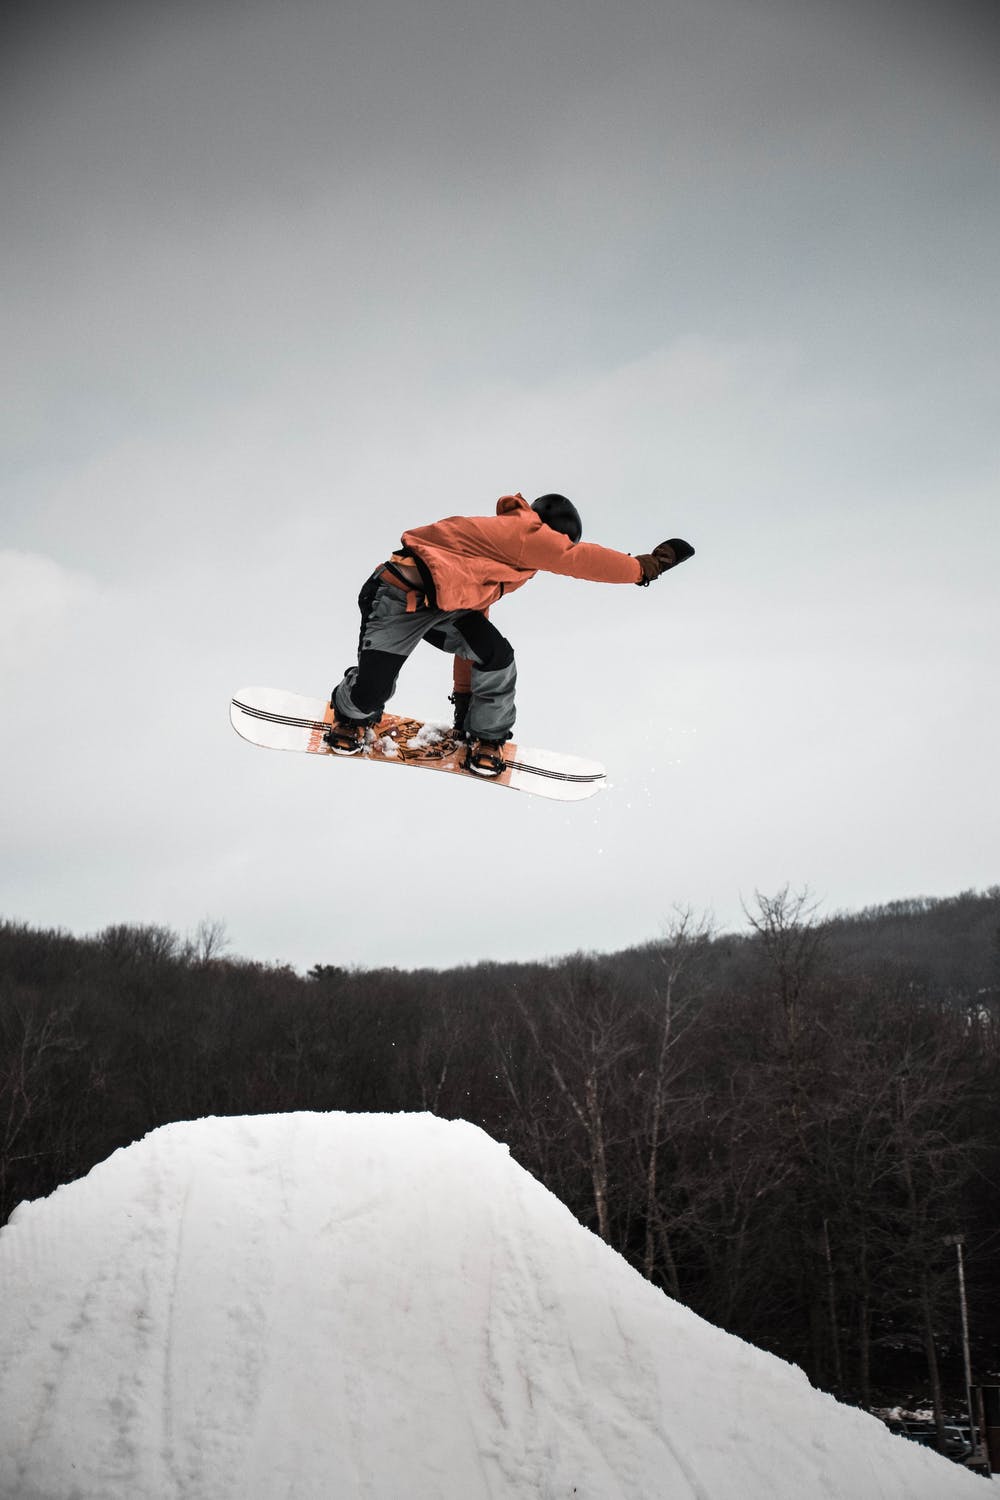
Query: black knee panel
377	673
491	649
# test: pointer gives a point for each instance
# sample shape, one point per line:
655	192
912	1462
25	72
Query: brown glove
666	555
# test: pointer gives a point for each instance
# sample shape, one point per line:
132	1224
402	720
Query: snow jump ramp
376	1307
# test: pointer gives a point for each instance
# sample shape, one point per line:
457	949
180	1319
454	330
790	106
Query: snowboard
278	720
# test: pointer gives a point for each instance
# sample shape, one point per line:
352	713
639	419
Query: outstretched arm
551	552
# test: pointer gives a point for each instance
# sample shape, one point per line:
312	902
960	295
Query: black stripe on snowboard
273	718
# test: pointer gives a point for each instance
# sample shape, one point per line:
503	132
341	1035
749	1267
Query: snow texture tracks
371	1306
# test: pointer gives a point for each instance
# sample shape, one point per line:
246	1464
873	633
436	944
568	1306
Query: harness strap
416	594
409	559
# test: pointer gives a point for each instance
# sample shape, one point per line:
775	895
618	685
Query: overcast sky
283	280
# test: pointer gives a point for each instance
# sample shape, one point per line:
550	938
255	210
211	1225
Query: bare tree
792	946
32	1040
670	1004
209	942
583	1030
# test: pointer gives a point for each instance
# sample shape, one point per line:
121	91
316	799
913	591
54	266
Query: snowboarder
439	587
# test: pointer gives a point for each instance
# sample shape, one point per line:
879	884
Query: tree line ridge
780	1127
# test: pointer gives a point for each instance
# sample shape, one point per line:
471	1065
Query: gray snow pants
389	633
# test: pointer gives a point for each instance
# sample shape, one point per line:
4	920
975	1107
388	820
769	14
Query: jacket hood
507	504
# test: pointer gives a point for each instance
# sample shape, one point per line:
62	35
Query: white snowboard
278	720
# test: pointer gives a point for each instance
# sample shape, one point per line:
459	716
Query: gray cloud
287	281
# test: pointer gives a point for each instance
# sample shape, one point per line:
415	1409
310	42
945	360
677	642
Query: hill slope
381	1306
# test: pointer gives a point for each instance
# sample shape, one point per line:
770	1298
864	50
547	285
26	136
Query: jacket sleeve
551	552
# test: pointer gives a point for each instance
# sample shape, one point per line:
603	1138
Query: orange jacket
474	560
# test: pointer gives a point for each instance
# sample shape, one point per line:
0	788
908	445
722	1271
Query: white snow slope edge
386	1307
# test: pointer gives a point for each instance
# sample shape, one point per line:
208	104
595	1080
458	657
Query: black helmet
561	514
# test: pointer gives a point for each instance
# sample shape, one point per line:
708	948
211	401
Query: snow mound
386	1307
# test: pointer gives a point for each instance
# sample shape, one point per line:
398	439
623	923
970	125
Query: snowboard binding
345	739
344	736
485	758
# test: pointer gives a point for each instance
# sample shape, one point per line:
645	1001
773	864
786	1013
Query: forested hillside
780	1127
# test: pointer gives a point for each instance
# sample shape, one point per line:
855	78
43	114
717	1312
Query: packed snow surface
301	1306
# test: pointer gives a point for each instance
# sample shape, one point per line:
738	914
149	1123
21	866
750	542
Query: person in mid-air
439	586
